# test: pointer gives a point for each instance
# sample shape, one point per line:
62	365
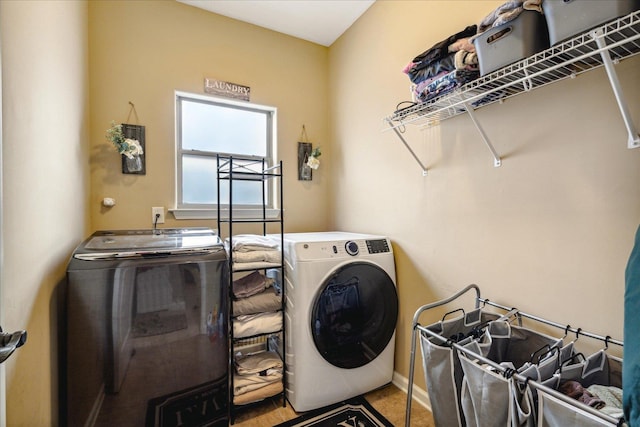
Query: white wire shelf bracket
396	129
634	138
471	111
605	46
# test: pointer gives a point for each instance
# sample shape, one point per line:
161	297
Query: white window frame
197	211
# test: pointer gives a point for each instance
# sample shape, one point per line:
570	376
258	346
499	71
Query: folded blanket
611	396
259	265
246	383
418	74
459	60
462	44
253	242
267	300
256	395
272	256
256	324
465	60
444	84
256	363
441	49
251	284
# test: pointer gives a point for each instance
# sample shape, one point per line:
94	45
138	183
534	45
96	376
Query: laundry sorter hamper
484	369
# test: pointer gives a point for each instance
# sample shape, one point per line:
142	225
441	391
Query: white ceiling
318	21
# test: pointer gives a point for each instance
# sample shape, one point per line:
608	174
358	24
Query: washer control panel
340	249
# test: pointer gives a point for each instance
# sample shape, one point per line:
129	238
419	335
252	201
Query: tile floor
390	401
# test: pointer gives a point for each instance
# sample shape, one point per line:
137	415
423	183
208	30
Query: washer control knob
351	248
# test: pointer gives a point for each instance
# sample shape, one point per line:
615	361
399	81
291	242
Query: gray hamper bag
443	374
599	368
488	397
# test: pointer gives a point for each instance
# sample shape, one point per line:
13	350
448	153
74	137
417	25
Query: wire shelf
565	60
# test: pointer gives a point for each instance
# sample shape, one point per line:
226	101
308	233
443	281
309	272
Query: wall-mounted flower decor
128	141
313	161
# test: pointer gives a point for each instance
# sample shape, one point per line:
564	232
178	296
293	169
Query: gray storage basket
567	18
443	374
510	42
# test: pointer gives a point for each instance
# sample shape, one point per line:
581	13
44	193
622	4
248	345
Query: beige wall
548	232
174	47
45	186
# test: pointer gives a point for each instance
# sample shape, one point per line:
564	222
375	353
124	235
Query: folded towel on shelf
272	256
255	324
245	383
259	265
259	394
266	300
256	363
253	242
251	284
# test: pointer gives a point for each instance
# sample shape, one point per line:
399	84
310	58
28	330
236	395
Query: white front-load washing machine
341	314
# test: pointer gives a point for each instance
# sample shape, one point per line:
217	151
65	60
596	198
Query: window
206	127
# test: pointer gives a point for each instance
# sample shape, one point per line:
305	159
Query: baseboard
418	394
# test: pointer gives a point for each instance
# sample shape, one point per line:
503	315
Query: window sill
181	214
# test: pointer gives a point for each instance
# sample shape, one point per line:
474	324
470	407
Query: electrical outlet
157	211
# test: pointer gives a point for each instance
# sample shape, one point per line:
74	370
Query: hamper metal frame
510	311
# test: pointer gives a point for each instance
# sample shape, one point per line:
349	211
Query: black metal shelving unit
232	170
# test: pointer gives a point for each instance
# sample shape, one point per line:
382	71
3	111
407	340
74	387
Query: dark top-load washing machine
144	338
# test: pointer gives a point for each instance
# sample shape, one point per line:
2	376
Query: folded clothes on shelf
438	57
445	66
251	284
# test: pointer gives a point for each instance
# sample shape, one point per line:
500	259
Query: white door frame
3	407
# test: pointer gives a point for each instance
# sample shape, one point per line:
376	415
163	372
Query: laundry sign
227	89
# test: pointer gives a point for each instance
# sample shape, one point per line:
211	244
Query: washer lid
148	243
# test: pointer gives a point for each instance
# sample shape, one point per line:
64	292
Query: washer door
354	315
